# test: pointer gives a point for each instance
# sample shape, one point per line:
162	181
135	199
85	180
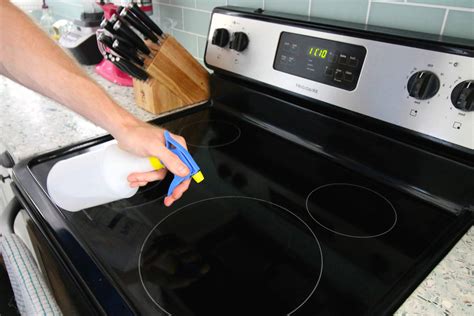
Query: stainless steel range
339	171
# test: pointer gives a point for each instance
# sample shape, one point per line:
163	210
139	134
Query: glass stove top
274	229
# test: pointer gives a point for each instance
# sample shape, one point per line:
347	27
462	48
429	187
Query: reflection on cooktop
210	133
351	210
150	193
230	256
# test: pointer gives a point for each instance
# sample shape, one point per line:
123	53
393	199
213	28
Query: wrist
122	122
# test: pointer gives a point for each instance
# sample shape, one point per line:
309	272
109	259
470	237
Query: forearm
29	57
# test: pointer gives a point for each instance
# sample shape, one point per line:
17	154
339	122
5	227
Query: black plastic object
8	305
4	178
423	85
87	52
123	30
90	19
106	25
8	215
138	25
126	53
221	37
132	69
145	19
6	160
462	96
239	42
122	50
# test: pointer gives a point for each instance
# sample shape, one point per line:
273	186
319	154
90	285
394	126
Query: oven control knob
239	42
462	96
423	85
220	37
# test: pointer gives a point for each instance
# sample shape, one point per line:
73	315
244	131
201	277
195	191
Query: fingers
172	162
137	184
147	176
178	192
180	140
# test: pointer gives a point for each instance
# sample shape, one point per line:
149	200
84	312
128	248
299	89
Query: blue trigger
185	157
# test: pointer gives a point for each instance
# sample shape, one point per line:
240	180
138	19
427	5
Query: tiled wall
190	18
446	17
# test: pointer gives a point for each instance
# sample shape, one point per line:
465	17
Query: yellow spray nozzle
155	163
198	177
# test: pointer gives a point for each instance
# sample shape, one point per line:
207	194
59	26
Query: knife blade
145	19
137	24
124	30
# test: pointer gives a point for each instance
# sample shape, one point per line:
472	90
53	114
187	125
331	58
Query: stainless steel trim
381	91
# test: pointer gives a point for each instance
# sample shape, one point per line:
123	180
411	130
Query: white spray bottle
99	177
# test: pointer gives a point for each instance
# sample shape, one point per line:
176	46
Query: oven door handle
32	294
8	216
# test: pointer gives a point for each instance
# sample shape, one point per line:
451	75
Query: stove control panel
426	91
329	62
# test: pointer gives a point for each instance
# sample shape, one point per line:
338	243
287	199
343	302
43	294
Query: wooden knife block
176	80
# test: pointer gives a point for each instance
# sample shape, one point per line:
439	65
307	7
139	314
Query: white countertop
32	124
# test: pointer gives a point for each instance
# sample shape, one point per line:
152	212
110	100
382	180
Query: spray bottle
100	176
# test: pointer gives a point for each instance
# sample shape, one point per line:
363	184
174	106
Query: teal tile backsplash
247	3
300	7
414	18
209	4
189	41
450	3
460	24
196	21
344	10
191	17
173	13
183	3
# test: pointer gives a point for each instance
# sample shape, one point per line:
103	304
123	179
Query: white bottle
96	177
47	20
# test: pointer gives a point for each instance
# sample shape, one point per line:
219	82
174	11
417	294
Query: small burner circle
351	210
210	133
220	232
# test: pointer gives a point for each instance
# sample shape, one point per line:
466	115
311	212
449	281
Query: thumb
172	161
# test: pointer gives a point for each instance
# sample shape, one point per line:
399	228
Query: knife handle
145	18
106	25
106	40
137	24
125	52
119	66
124	30
133	69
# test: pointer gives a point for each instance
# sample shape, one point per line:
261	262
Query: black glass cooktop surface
274	229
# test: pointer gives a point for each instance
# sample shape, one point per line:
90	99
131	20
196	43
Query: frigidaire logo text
309	89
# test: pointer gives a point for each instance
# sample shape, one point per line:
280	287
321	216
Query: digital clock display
317	52
325	61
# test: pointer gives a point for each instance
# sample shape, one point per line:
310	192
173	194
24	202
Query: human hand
146	140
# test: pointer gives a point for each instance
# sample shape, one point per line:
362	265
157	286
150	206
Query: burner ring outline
357	186
231	197
239	132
